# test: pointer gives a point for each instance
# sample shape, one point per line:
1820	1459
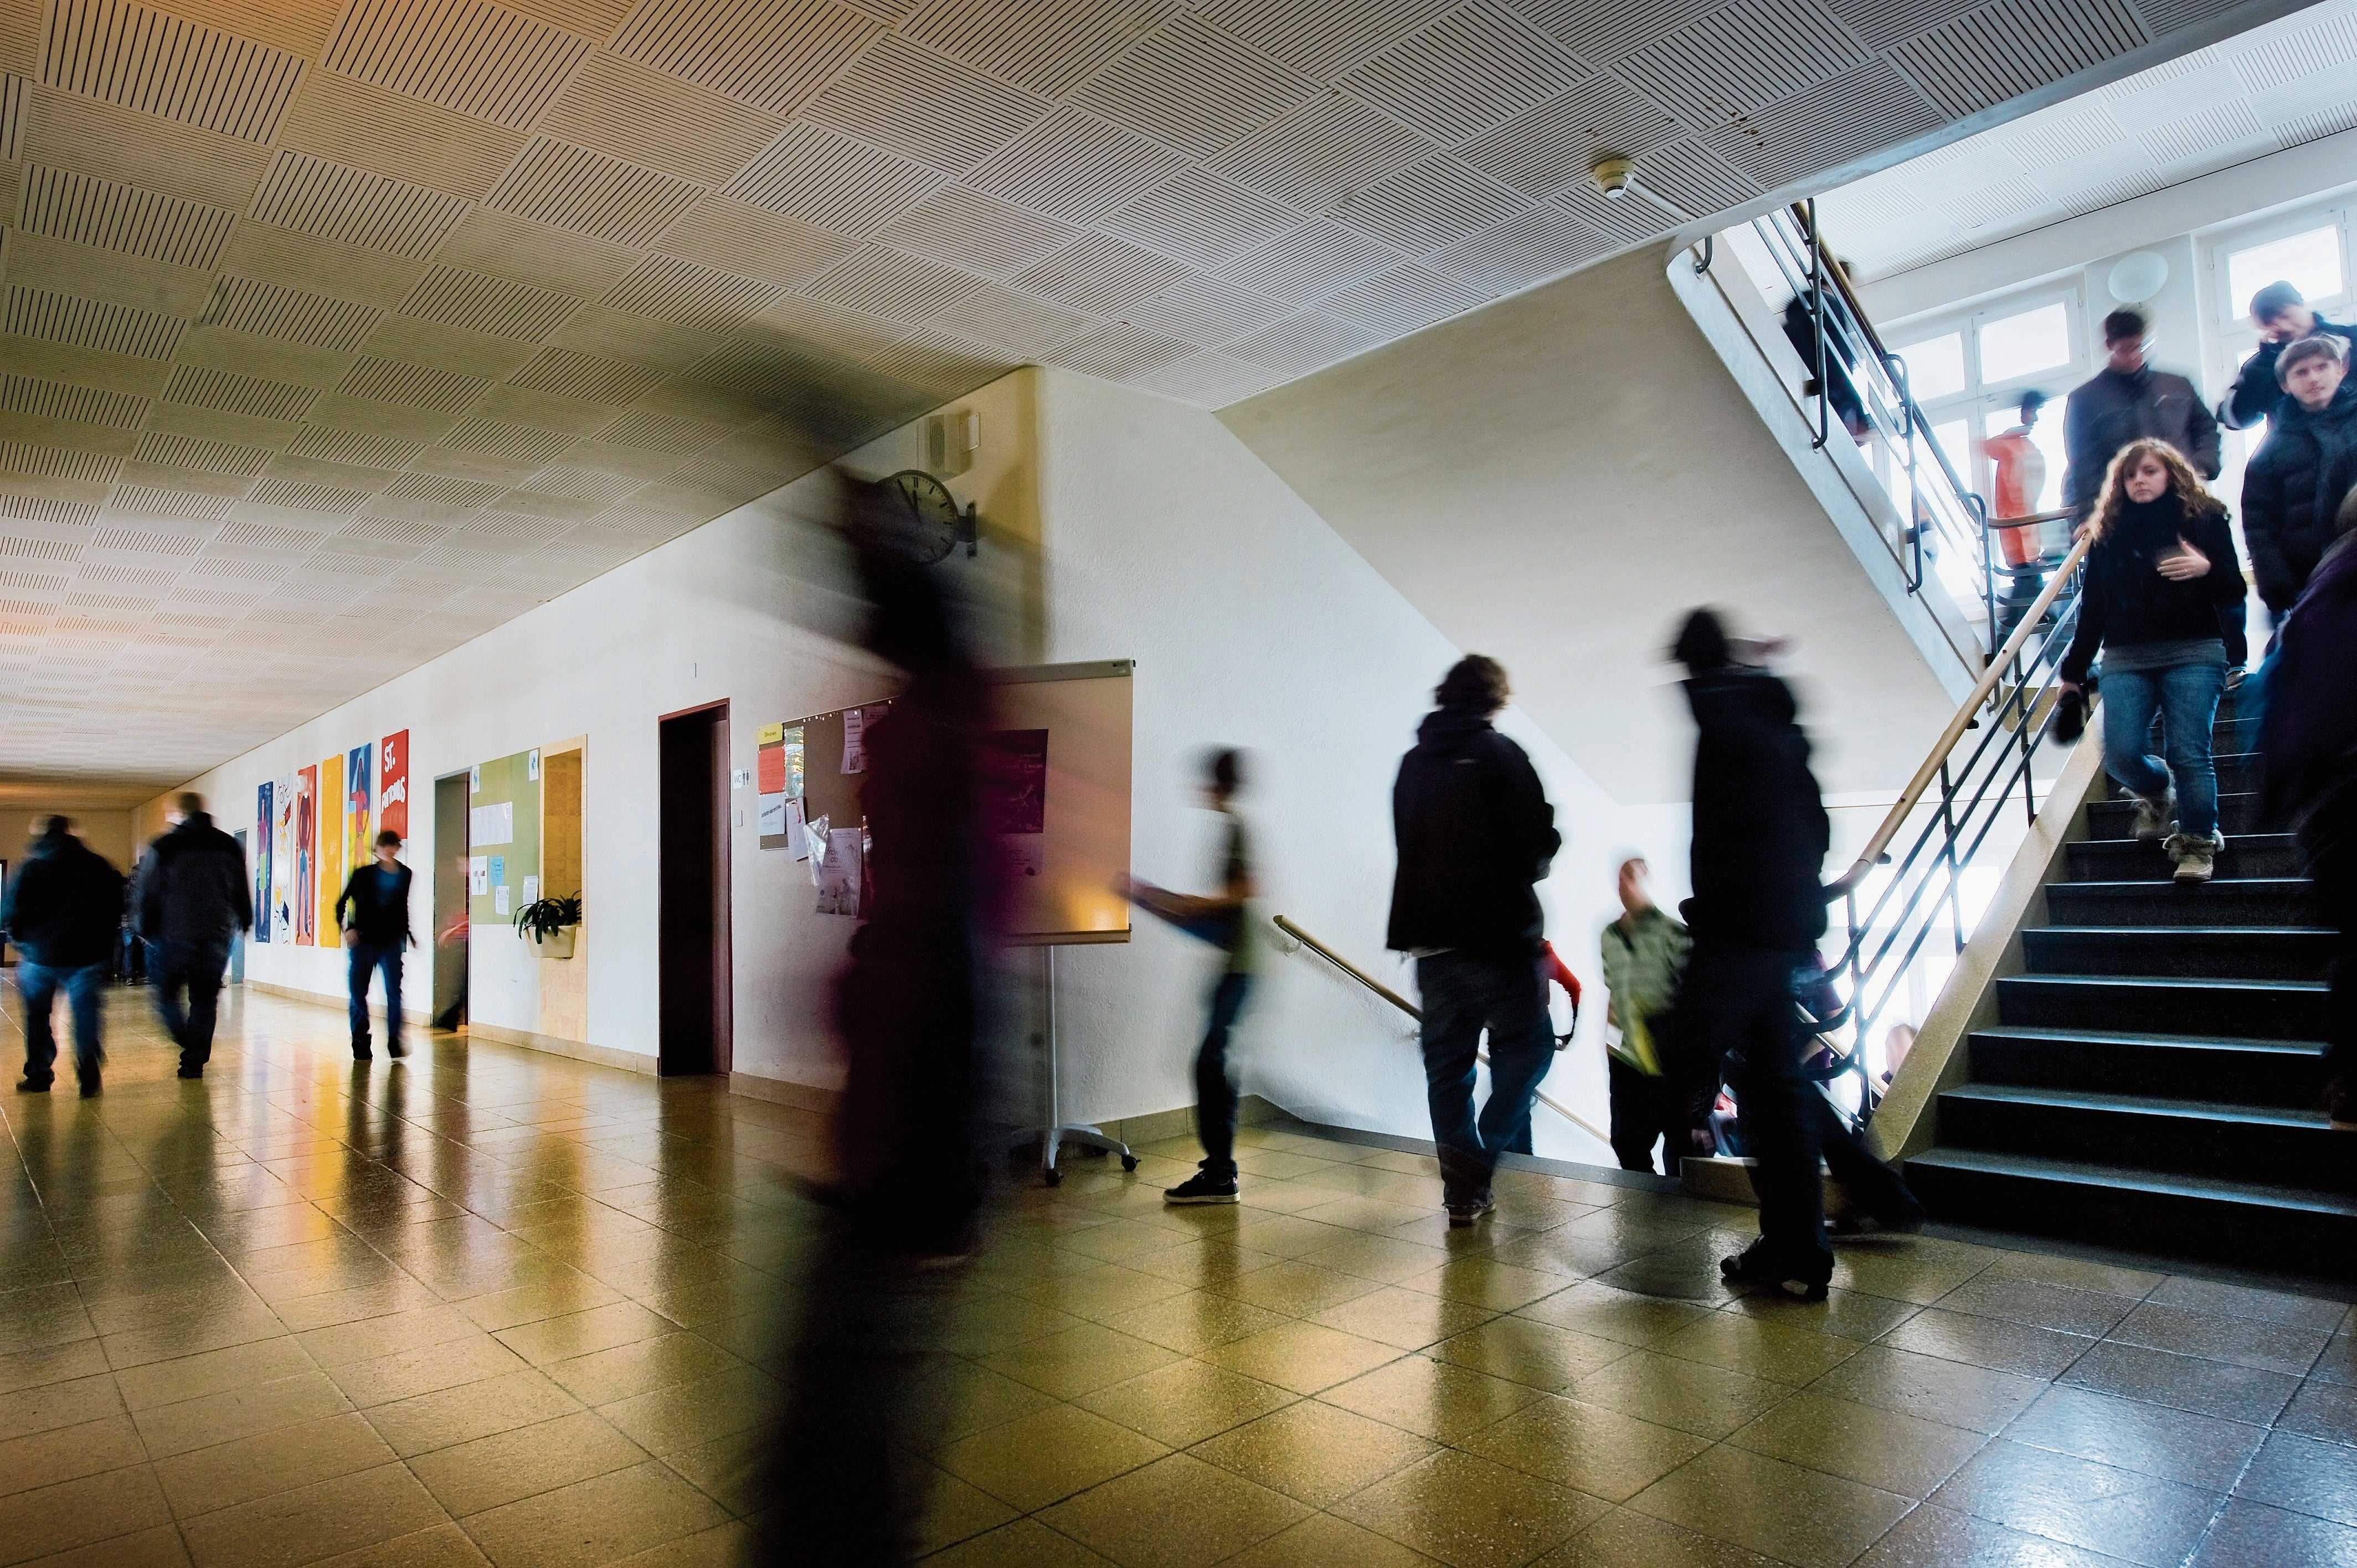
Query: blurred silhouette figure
62	909
191	897
2127	401
1223	919
1644	957
1476	836
2281	315
908	1009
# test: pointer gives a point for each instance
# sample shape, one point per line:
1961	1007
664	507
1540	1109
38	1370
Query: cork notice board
813	746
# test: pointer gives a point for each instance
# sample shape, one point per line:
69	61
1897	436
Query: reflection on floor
497	1305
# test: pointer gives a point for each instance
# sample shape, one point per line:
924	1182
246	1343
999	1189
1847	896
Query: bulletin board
1065	754
503	838
802	758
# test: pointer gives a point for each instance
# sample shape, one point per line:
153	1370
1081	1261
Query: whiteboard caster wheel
1055	1176
1130	1162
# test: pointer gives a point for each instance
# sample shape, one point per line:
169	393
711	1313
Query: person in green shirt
1223	919
1644	957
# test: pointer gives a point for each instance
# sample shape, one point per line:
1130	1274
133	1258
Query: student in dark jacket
2288	495
375	931
62	910
192	899
2127	401
2309	741
2160	570
1761	833
1475	835
2282	317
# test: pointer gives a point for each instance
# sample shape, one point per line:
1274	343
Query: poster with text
330	820
359	799
280	912
265	822
392	783
306	857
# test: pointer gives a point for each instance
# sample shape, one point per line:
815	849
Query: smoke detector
1612	176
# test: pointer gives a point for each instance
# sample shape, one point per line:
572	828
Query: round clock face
928	513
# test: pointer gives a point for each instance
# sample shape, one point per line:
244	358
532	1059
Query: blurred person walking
1475	835
64	908
377	895
2309	742
2282	317
2127	401
192	899
1223	919
1645	956
2018	478
2160	571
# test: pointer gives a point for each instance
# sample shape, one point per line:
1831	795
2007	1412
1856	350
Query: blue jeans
1462	995
38	984
195	967
1215	1086
366	957
2186	698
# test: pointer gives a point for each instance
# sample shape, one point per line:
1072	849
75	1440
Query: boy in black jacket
62	911
378	897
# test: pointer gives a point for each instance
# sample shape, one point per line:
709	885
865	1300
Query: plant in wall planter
551	923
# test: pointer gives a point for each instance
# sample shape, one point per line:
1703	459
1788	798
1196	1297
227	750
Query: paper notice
854	740
794	752
772	816
794	829
500	899
814	845
499	871
838	887
532	890
769	768
478	874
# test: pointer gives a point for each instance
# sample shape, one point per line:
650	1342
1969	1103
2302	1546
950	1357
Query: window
2023	345
1935	368
2309	262
2047	437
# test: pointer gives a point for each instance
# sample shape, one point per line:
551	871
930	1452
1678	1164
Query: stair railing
1301	938
1982	760
1942	517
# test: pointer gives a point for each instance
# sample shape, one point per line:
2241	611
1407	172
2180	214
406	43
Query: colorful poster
392	783
306	857
330	820
360	800
265	822
281	913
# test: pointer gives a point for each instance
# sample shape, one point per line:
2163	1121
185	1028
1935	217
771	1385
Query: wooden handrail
1410	1008
2032	520
1871	856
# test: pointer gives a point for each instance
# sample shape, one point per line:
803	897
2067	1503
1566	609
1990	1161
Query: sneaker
395	1049
90	1087
32	1085
2195	859
2153	817
1465	1212
1201	1187
192	1072
1749	1269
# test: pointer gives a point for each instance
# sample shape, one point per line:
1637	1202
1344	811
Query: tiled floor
497	1305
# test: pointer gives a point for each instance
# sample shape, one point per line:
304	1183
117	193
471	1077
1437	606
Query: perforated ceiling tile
390	380
1045	47
2167	15
2298	54
312	195
91	324
315	320
2196	133
1075	167
1193	87
63	400
586	376
118	217
1544	148
672	290
468	55
1404	300
1312	261
1465	71
753	242
1207	311
832	181
213	457
671	433
771	53
1525	249
163	65
1100	275
980	233
889	283
1627	220
1013	320
1601	30
1116	352
2315	127
575	189
1321	38
1322	153
924	106
1203	219
1430	204
148	500
58	463
349	122
636	113
2004	49
1872	107
1752	52
480	303
1305	342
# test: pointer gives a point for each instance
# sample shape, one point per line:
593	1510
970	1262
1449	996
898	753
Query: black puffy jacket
2126	601
192	886
1760	832
1475	835
65	907
2256	394
2287	518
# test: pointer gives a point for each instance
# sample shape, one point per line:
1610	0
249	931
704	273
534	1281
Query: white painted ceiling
338	331
2279	85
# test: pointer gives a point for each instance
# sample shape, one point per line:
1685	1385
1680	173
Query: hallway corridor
494	1306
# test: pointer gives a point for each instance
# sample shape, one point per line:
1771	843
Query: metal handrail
1288	928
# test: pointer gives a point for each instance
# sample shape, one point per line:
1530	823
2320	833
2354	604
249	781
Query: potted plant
550	923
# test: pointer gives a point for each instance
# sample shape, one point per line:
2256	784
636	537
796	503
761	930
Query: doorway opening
693	1032
450	934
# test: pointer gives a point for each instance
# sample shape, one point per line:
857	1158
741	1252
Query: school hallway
491	1305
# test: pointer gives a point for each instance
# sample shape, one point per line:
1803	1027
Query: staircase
2152	1081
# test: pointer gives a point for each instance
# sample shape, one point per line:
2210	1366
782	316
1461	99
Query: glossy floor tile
492	1307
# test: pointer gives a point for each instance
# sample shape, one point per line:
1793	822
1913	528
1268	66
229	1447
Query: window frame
1979	398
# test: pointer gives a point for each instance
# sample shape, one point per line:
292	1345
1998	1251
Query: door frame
724	1026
